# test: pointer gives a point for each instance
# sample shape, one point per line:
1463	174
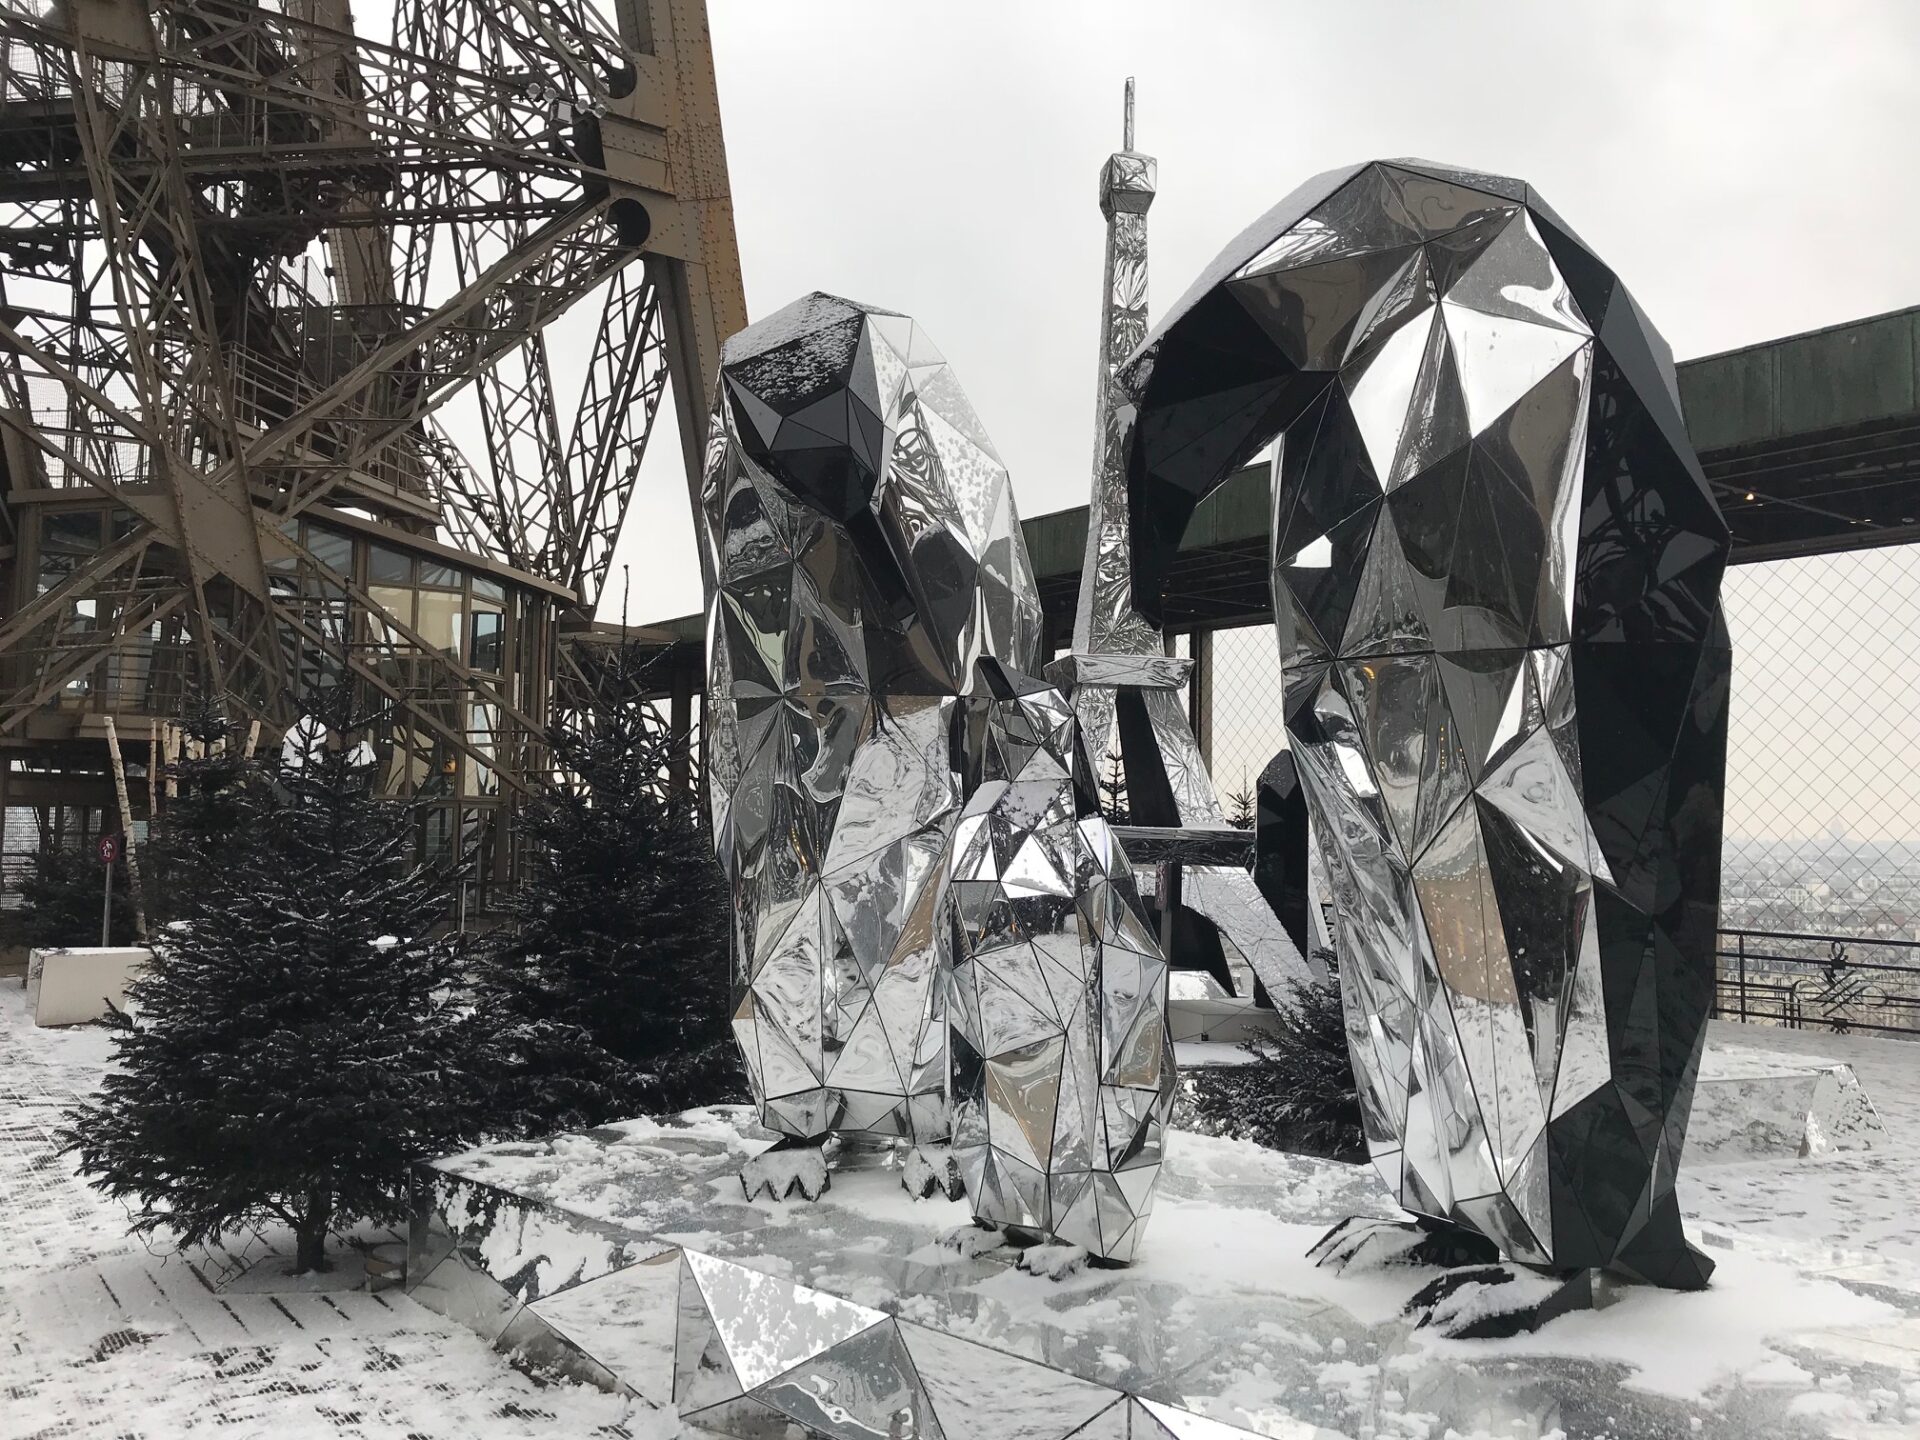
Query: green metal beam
1860	373
1821	430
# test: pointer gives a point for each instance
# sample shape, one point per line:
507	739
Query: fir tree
1299	1093
1240	809
61	899
295	1034
212	793
607	996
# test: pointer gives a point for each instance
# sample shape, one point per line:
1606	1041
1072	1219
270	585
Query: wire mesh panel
1246	723
1823	762
1823	765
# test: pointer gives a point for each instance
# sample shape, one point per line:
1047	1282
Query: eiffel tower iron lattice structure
280	401
1125	685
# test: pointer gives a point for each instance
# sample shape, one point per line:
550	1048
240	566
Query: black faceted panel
1496	579
1280	847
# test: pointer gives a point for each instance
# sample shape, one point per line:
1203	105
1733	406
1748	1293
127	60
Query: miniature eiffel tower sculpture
1119	669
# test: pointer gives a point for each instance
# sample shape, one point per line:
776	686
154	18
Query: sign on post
109	852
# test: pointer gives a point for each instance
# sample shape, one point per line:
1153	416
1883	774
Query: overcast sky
1741	163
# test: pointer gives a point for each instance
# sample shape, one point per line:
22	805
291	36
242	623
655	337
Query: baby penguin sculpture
864	551
1496	577
1063	1072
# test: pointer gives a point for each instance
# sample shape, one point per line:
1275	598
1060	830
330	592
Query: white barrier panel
1221	1019
75	987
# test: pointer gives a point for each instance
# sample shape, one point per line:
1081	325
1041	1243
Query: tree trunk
310	1236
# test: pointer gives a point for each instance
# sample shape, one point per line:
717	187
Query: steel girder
247	257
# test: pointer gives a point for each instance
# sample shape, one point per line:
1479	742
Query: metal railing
1841	983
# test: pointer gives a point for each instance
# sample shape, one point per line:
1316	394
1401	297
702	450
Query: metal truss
248	256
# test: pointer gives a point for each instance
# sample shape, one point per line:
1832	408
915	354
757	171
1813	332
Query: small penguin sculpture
1063	1069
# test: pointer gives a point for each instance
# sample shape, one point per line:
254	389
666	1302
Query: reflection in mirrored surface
1218	1315
864	1388
867	552
1063	1063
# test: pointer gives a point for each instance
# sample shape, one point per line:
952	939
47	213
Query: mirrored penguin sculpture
864	552
1496	576
1063	1070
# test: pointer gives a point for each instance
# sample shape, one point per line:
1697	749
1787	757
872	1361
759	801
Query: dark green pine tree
1241	812
61	899
214	785
607	996
1298	1093
296	1038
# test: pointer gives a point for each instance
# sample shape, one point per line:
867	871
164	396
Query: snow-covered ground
1813	1326
1222	1314
101	1337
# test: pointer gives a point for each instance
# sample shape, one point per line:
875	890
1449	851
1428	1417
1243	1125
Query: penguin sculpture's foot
931	1169
1052	1259
974	1240
1491	1302
1361	1242
792	1167
1662	1255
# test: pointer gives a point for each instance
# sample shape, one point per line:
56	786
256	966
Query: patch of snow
102	1336
1685	1345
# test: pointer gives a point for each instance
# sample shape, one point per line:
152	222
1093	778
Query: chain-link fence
1823	763
1247	729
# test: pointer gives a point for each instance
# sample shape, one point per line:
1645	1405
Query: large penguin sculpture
1496	575
865	552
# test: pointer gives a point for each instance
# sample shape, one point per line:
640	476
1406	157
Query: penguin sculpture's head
1478	451
1398	323
855	418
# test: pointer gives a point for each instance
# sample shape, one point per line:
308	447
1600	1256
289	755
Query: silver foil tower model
1120	675
1496	577
866	553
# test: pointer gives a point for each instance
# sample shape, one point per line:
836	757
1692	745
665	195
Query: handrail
1822	939
1834	991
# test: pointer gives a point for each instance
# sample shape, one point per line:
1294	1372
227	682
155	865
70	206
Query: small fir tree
607	995
1240	809
1113	793
1299	1093
295	1035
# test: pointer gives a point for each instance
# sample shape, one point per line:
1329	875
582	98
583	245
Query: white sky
1739	162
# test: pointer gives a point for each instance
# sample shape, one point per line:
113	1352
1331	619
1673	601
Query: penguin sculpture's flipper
1362	1242
792	1167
